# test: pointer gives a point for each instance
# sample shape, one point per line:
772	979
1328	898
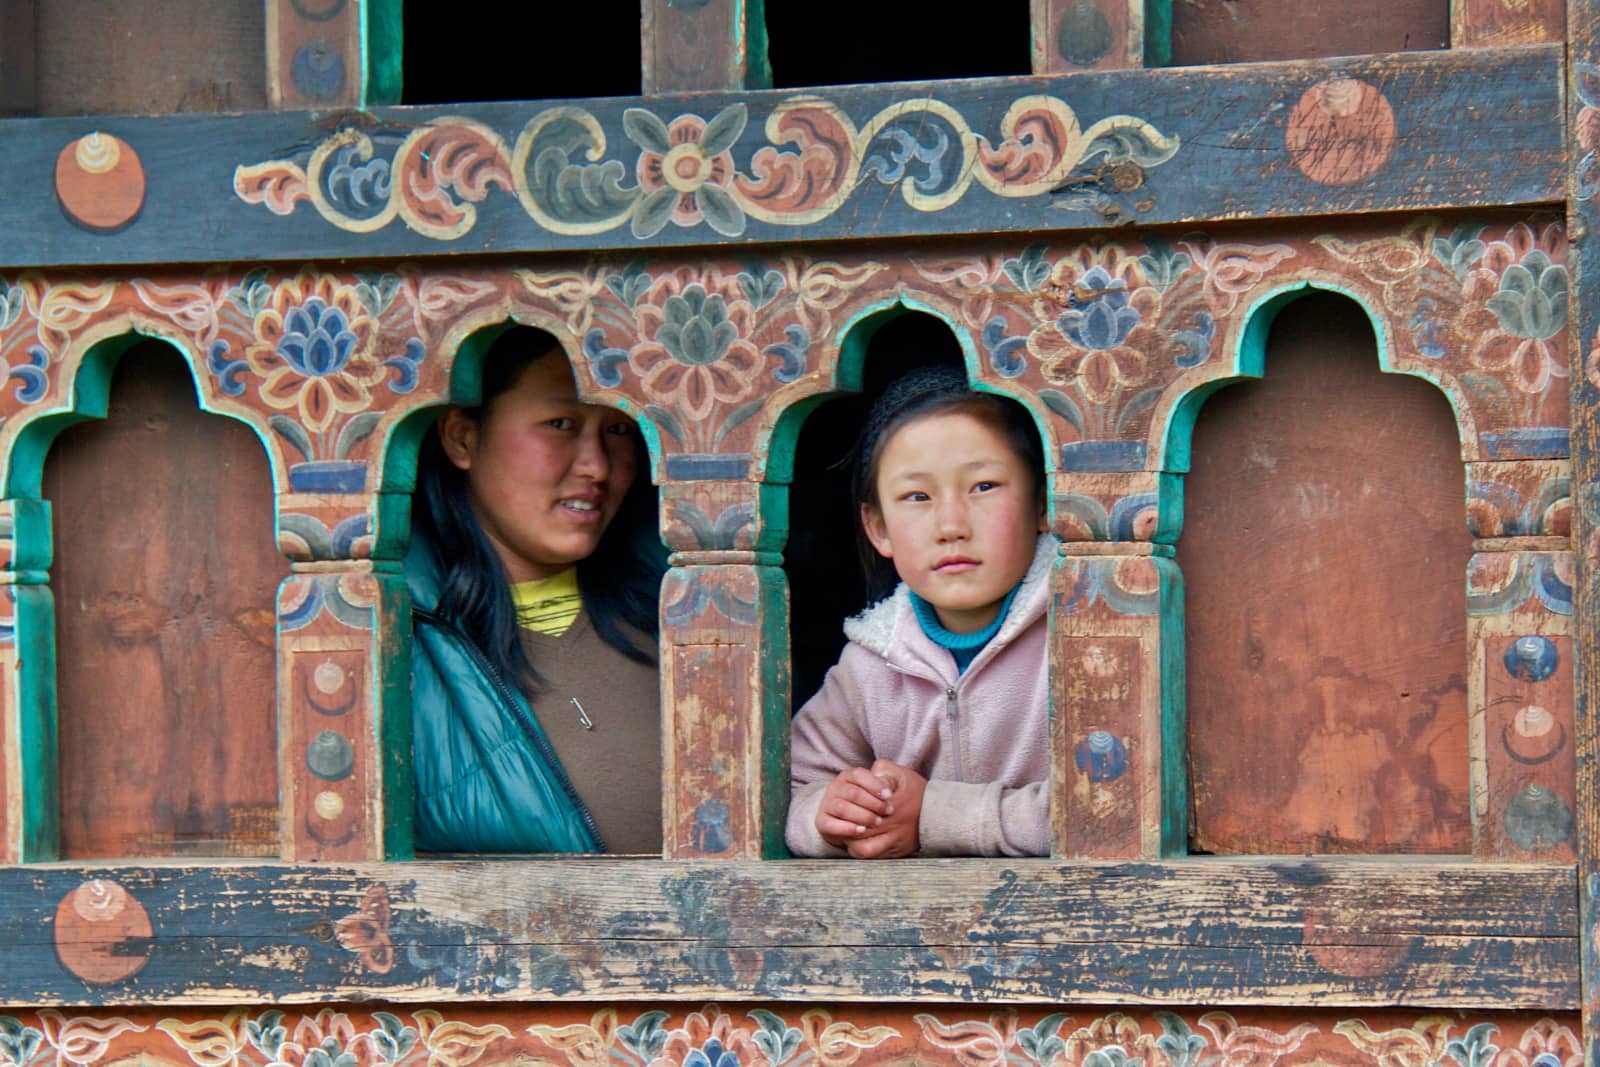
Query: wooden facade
1308	341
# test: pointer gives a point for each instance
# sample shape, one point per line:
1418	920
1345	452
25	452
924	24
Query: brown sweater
616	765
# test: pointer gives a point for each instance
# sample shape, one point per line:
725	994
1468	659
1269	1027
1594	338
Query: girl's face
545	474
958	513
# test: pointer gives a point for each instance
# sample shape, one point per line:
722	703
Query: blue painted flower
313	346
1087	315
1098	315
711	1054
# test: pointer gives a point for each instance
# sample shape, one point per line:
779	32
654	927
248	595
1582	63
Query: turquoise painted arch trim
855	337
1172	439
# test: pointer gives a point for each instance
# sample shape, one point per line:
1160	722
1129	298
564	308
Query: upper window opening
837	42
527	52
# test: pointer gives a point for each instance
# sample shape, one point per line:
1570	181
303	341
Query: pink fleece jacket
980	738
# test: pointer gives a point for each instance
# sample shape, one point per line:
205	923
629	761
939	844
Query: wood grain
1342	933
164	576
1324	553
1250	31
124	58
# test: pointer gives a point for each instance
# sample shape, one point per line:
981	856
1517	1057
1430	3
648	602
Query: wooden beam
1420	932
1076	152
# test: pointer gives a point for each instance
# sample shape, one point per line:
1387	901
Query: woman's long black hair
620	582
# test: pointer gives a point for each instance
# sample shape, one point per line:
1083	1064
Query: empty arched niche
164	580
521	692
826	584
1324	553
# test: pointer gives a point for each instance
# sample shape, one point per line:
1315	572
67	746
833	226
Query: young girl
929	736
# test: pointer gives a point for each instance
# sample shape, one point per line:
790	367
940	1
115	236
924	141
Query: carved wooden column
1074	35
332	53
701	45
30	816
1116	658
1520	656
724	670
344	673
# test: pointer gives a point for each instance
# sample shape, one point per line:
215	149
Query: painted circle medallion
102	933
1532	658
1102	756
328	805
1341	132
100	182
318	71
328	677
1533	721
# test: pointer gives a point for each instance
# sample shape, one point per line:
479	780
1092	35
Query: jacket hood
877	628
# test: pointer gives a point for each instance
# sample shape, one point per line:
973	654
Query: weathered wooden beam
1423	932
1076	152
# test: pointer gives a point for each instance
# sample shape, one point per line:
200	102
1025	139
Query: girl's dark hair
916	395
620	582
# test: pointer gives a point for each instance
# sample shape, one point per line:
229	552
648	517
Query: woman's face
545	473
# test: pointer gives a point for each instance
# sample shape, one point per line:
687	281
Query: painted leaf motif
1063	405
839	1044
81	1039
393	1037
18	1043
1475	1049
268	1033
645	1036
653	212
776	1038
721	211
455	1044
724	129
646	130
1042	1042
210	1042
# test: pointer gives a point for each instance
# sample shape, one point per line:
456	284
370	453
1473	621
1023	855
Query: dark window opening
524	52
825	581
840	42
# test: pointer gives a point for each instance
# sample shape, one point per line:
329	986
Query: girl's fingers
867	782
835	827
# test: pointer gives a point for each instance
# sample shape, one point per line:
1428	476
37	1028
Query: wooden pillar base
1117	724
344	676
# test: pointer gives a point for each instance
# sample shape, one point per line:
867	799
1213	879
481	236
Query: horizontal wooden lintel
1333	931
1406	131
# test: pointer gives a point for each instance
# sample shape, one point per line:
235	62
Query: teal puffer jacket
487	778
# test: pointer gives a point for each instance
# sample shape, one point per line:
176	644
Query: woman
535	568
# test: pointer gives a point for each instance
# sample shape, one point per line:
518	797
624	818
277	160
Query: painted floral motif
1586	128
684	170
705	344
696	350
1087	315
782	1036
1529	305
314	347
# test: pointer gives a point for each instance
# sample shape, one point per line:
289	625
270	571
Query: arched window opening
164	578
1324	554
825	581
533	732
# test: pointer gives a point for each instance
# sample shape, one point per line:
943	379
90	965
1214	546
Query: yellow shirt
548	605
